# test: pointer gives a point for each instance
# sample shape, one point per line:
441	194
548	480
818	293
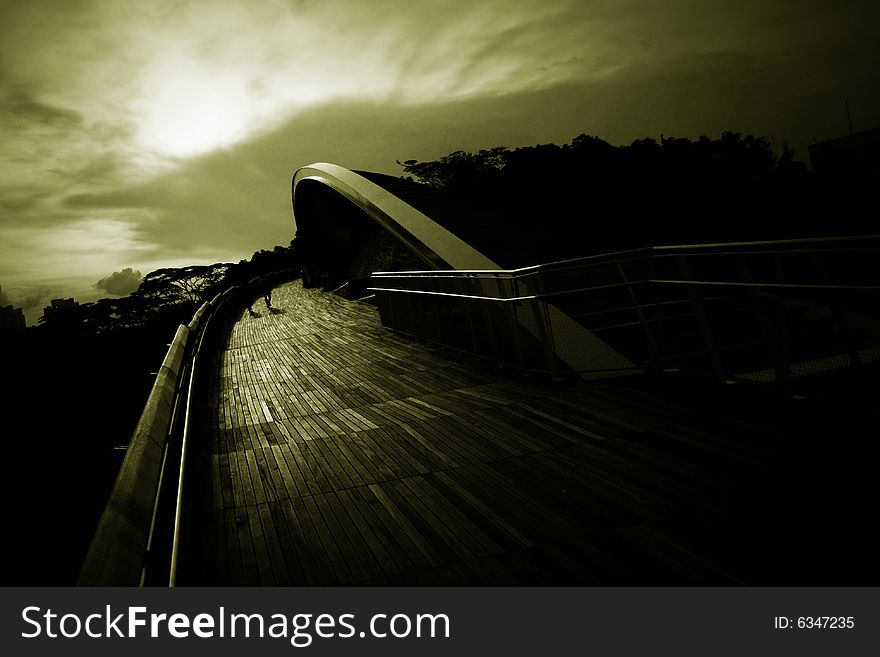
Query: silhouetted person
267	298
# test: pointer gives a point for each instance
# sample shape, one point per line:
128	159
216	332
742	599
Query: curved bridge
436	246
575	348
325	450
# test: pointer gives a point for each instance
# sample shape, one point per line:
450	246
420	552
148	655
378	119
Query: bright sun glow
194	113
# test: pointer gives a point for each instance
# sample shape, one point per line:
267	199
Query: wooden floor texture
342	453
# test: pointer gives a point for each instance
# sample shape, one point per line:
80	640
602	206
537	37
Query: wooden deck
341	453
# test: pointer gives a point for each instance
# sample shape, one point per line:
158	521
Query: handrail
524	317
208	311
663	250
124	548
664	281
125	530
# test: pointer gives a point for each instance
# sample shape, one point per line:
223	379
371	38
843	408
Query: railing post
545	331
783	362
646	331
544	325
700	315
838	316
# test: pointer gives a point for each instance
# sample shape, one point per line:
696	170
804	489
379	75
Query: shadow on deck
336	452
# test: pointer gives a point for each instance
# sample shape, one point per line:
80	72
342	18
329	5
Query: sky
139	135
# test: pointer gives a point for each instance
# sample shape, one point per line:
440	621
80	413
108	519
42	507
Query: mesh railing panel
762	311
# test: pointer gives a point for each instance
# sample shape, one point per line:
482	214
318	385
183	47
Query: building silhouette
58	306
12	319
851	155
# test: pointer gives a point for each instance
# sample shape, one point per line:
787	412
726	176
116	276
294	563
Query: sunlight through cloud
193	112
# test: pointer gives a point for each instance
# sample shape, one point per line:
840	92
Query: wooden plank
234	573
401	527
316	479
245	489
442	434
345	461
273	546
499	572
399	442
484	420
353	549
315	457
496	443
248	556
226	481
340	468
263	561
384	437
319	569
292	553
507	497
443	458
479	543
261	492
330	549
297	480
270	473
220	550
348	446
481	512
381	543
360	441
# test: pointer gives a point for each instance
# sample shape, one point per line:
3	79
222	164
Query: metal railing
138	539
762	311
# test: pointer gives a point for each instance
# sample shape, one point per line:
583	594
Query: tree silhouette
182	284
588	196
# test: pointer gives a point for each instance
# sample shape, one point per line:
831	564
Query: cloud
120	283
35	301
176	132
24	107
21	198
238	198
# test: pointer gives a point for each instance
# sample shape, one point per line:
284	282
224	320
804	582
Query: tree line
589	196
166	297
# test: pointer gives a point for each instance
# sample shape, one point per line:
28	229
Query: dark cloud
99	169
137	196
25	108
21	198
120	283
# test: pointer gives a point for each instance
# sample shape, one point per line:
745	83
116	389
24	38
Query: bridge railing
761	311
138	538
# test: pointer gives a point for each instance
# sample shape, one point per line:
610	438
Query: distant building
12	319
853	155
58	306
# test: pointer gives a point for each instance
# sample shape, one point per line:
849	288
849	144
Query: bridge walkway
336	452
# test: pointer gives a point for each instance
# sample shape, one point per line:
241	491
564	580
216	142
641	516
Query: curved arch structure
434	245
438	248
